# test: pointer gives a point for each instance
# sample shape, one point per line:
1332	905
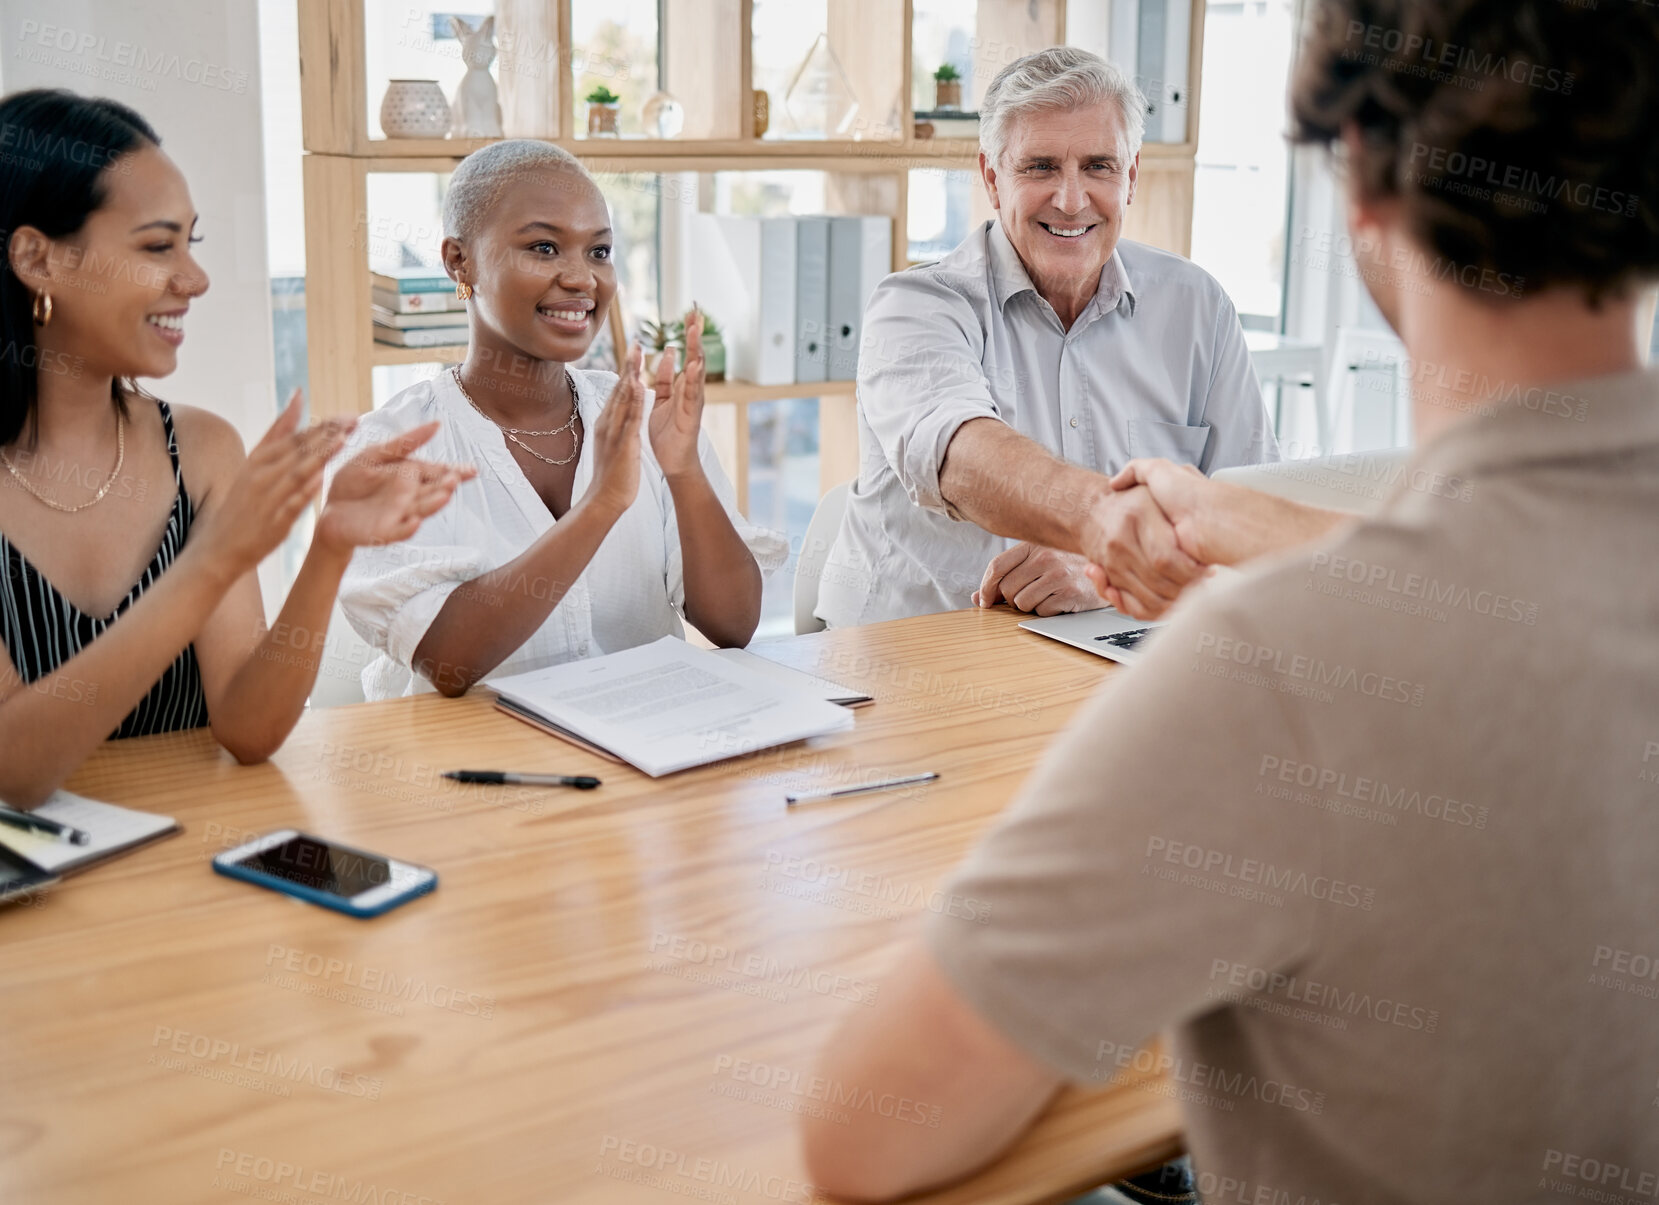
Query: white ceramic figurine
477	111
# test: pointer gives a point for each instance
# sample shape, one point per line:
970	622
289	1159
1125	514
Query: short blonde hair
482	176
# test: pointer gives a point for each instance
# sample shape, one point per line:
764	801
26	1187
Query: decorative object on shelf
923	130
477	109
414	108
820	102
662	115
659	336
604	107
714	345
656	338
947	88
763	113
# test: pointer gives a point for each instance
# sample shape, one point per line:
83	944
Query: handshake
1150	532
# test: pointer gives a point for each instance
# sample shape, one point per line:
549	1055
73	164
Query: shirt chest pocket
1171	441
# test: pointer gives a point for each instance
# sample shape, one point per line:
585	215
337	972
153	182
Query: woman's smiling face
540	264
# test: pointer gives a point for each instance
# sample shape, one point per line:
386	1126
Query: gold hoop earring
463	291
42	309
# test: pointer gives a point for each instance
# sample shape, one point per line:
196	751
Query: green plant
656	336
711	330
602	95
946	74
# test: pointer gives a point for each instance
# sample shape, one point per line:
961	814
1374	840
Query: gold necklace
513	433
120	459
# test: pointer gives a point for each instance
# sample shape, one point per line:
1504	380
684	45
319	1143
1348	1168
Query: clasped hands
1144	538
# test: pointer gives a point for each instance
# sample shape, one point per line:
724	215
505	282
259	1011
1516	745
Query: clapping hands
677	412
383	495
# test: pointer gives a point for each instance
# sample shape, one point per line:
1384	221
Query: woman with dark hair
119	507
598	517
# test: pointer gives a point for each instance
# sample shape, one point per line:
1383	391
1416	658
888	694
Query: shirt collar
1516	427
1010	277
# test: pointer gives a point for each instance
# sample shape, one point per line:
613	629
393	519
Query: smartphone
20	877
336	876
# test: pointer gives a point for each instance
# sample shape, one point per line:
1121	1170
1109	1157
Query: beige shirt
1372	836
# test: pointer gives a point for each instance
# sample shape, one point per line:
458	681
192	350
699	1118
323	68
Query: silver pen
886	784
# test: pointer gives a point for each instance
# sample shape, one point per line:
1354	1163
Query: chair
815	546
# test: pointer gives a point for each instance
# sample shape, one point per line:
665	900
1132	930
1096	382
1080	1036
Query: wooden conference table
613	996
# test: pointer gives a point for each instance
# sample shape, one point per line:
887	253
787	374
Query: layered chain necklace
513	433
120	459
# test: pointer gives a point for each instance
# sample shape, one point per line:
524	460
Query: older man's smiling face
1065	180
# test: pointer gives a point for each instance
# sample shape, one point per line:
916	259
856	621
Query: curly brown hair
1520	136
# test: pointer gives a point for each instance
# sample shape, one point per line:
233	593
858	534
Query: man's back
1400	886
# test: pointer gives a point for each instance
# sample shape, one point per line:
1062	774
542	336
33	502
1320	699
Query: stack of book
417	307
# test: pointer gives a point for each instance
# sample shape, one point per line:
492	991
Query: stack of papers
669	706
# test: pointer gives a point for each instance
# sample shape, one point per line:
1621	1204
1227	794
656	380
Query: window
943	32
1239	193
614	44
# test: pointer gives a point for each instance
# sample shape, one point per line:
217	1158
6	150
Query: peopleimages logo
1129	1061
876	887
1299	674
1438	59
1299	990
1601	1173
762	968
373	979
828	1091
1517	179
1252	873
1417	586
1363	790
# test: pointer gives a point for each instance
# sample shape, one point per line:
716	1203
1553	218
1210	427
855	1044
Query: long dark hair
55	147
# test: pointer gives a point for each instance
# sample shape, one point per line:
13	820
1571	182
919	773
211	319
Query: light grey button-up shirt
1154	366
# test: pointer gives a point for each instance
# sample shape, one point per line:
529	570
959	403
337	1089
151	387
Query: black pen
581	782
42	824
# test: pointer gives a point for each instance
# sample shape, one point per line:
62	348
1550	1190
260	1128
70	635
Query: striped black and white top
42	629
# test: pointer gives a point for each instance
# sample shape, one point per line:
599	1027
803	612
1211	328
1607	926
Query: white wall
191	67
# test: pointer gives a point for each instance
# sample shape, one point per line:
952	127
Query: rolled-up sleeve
1234	410
920	377
393	592
769	548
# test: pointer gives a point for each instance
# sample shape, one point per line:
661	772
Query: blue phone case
312	896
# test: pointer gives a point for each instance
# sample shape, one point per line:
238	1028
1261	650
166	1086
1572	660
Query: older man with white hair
1001	387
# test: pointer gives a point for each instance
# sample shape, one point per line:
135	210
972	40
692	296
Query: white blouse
631	593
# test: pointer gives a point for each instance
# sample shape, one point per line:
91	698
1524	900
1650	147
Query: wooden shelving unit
707	65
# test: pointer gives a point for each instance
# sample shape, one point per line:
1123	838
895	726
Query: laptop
1106	633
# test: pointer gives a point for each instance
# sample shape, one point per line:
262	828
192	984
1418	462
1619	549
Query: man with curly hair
1369	835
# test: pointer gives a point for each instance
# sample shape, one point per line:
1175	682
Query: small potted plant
947	88
714	346
604	107
656	338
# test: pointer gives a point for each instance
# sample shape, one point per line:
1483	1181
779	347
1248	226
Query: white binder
860	254
812	299
742	272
